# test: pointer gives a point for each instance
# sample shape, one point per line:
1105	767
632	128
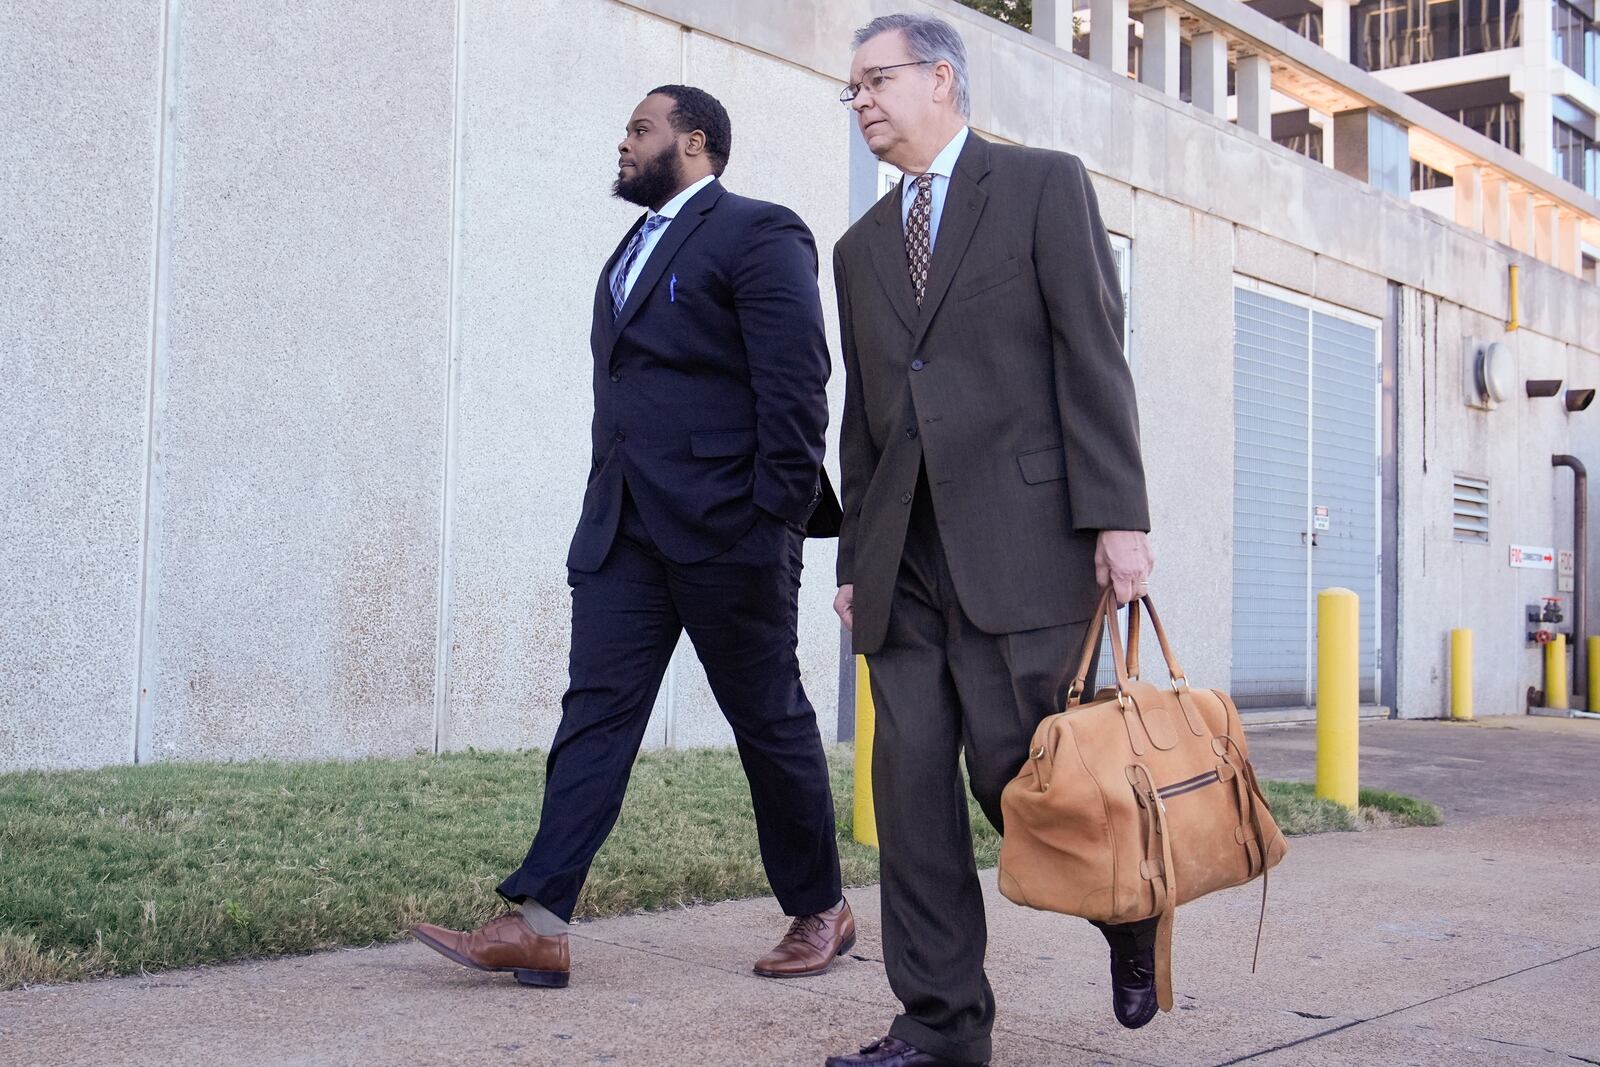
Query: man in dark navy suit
710	367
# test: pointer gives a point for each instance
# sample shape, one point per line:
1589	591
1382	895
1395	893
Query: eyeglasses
873	80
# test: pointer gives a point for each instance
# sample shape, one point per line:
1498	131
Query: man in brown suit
992	484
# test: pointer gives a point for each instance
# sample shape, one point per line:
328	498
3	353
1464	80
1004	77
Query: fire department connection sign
1539	559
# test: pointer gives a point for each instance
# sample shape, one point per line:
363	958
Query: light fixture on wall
1542	386
1578	399
1488	373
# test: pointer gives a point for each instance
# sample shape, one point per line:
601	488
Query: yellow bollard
1555	674
1594	674
1338	696
1461	675
865	818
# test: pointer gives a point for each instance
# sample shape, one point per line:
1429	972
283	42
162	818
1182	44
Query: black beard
654	181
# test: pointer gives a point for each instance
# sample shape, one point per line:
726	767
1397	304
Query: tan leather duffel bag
1138	802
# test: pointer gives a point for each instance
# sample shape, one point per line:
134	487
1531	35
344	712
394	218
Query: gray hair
930	39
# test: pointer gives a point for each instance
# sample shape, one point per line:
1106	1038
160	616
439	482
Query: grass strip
169	865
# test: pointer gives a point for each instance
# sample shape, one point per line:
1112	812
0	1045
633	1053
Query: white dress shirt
668	210
943	165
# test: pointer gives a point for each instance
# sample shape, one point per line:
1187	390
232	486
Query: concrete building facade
293	353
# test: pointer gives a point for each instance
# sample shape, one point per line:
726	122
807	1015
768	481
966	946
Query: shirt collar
671	208
944	164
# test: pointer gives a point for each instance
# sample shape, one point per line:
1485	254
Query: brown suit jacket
1008	383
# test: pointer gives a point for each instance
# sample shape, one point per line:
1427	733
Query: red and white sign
1539	559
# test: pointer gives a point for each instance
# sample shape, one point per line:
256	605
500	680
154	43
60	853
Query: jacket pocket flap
989	278
709	443
1045	465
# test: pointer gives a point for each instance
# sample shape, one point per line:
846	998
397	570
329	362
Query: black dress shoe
892	1052
1133	972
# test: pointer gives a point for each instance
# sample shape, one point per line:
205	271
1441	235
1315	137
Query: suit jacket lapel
888	242
678	230
603	327
963	206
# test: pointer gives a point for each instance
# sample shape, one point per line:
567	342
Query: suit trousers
739	609
941	686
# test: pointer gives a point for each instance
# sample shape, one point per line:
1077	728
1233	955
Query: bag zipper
1189	785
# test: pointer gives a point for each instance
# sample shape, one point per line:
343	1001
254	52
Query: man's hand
1122	560
844	605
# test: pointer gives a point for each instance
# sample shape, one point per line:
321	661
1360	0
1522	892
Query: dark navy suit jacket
709	386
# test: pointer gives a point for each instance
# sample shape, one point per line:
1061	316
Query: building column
1520	214
1324	123
1469	197
1159	66
1569	255
1538	129
1052	20
1373	148
1108	34
1253	79
1208	73
1336	27
1546	231
1496	224
1538	27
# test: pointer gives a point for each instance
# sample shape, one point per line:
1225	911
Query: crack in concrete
1409	1007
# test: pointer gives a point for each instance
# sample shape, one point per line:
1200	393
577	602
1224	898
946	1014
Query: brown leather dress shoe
811	945
504	944
892	1052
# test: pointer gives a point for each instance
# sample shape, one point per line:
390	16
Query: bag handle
1126	664
1105	605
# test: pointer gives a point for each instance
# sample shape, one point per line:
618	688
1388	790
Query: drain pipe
1580	540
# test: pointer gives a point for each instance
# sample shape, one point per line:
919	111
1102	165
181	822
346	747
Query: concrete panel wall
365	342
1447	583
77	170
537	222
1182	304
302	386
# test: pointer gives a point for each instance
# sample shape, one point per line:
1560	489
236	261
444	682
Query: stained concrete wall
340	264
300	384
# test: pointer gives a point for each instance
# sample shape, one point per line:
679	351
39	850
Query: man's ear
944	81
696	143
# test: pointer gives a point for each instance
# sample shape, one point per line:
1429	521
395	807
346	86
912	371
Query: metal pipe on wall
1580	540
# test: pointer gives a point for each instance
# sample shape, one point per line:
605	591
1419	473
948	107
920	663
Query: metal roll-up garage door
1306	397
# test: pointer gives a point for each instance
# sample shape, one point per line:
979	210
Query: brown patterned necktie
918	248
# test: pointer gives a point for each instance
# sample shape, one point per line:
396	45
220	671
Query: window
1295	131
1577	158
1471	510
1575	38
1501	123
1398	33
1122	248
1425	177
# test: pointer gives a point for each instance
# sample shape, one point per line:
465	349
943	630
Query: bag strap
1179	678
1127	665
1249	790
1169	898
1106	604
1133	640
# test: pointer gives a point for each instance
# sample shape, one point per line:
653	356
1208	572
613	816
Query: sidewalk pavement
1474	943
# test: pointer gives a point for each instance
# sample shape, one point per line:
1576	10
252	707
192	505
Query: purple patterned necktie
619	281
918	248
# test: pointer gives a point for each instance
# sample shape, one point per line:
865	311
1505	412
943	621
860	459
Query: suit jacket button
917	364
615	376
911	431
619	437
905	498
